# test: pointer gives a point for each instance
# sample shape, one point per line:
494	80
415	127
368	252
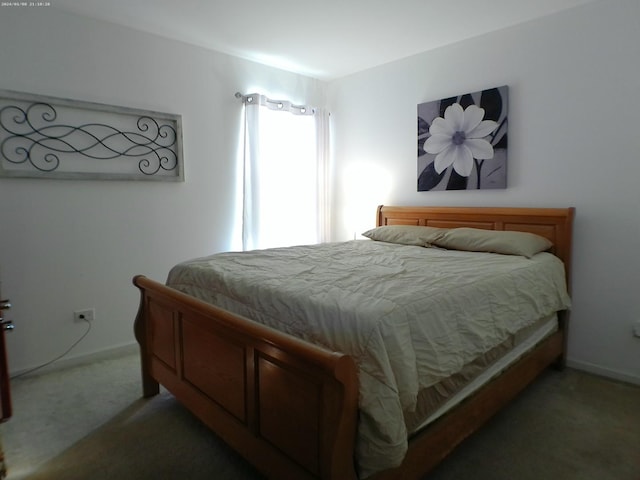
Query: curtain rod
284	105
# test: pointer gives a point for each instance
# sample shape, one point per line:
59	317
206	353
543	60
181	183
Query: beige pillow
495	241
405	234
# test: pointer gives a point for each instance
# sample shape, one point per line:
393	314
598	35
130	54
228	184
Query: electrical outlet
88	315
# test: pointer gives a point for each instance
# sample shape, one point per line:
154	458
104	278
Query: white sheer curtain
285	174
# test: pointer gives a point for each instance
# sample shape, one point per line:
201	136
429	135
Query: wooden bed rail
287	406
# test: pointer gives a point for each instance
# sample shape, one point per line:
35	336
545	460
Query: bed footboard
287	406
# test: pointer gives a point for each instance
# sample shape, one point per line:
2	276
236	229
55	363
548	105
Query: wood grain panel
162	333
215	366
290	406
403	221
469	224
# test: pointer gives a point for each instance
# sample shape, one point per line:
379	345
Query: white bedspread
410	316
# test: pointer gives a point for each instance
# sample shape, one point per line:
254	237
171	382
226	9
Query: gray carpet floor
90	422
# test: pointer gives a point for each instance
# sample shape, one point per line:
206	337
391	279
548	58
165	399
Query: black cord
59	356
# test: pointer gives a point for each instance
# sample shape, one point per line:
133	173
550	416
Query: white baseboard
107	353
603	372
133	348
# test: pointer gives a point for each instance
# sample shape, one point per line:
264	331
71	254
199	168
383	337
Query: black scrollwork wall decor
48	137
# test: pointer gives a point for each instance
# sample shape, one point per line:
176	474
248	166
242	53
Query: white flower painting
462	142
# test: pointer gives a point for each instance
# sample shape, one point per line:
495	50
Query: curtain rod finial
238	95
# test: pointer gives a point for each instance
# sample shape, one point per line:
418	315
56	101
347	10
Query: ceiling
324	39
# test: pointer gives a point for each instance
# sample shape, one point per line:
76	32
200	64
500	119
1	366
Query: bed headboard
556	224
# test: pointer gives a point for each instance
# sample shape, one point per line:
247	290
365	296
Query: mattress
411	317
436	401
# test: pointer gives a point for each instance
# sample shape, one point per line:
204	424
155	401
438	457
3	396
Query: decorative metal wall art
462	141
46	137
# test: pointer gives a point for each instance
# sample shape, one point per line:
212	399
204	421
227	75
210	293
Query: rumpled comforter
410	316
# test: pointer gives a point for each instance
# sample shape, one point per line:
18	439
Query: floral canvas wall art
462	141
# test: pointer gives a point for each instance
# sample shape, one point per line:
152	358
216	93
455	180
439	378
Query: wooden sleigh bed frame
229	371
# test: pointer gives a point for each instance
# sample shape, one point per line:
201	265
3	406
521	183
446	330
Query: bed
294	404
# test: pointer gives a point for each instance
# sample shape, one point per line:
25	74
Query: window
284	174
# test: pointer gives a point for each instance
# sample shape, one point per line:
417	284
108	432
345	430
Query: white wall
67	245
574	82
